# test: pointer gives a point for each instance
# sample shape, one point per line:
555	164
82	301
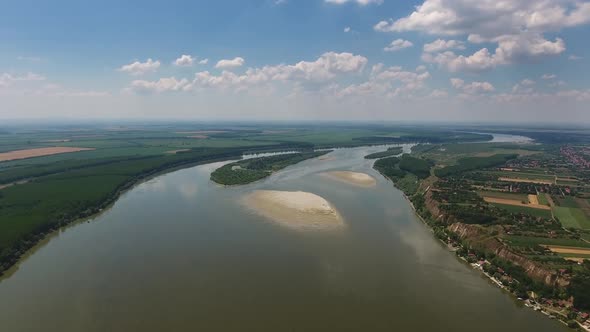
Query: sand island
356	178
297	210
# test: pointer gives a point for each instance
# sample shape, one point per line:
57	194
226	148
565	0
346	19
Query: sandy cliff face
479	237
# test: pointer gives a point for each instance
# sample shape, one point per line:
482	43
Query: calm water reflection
179	253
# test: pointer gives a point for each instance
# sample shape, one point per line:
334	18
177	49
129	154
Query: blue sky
464	60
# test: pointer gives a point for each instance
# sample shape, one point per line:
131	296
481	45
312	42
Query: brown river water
180	253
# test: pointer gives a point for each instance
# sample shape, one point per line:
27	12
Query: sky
508	61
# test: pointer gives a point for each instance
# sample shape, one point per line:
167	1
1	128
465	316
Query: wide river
180	253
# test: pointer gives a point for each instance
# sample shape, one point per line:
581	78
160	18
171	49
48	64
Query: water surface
179	253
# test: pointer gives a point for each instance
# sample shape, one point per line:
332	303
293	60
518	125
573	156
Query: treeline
416	166
250	170
393	151
427	137
394	167
473	163
579	287
389	167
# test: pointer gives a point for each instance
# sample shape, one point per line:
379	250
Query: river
179	253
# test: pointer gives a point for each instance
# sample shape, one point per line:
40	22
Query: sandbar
356	178
297	210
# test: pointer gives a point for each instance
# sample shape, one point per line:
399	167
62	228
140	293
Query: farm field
523	180
504	195
571	217
543	213
543	199
512	202
38	152
526	241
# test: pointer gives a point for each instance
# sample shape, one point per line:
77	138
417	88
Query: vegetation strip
250	170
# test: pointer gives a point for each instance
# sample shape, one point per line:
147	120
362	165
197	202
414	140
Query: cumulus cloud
184	61
385	82
524	86
510	49
203	61
161	85
517	27
326	67
489	19
230	63
346	29
548	76
473	87
443	45
398	44
359	2
140	68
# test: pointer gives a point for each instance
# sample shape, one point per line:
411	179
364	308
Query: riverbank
11	255
459	248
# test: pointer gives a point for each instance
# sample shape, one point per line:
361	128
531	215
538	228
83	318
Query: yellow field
515	203
30	153
568	250
526	180
533	200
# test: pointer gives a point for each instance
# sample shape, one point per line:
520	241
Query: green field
568	202
504	195
571	217
526	241
542	199
523	175
526	210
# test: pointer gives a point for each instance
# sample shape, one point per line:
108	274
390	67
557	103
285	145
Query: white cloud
347	29
325	68
473	87
359	2
574	57
437	93
230	63
397	45
140	68
490	18
480	60
548	76
517	27
524	86
204	61
161	85
7	79
510	49
443	45
385	82
184	61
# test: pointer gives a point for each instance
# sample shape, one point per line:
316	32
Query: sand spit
356	178
296	210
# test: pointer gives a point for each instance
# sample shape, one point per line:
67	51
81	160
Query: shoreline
493	281
38	238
